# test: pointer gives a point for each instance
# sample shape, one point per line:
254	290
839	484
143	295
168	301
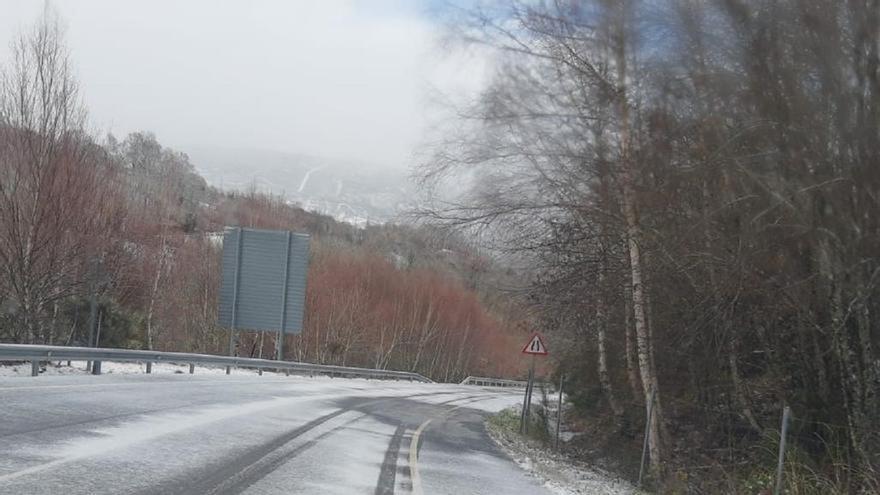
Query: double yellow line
414	458
414	447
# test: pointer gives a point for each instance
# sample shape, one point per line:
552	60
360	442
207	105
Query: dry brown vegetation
132	222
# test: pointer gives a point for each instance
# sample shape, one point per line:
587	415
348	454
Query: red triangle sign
535	346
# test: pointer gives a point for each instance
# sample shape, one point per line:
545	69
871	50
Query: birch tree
56	187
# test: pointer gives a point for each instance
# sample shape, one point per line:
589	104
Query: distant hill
349	191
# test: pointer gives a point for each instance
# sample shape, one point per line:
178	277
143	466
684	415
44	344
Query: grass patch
507	423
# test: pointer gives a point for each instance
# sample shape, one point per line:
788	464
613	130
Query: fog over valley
260	92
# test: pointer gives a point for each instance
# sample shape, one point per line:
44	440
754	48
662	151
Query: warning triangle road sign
535	346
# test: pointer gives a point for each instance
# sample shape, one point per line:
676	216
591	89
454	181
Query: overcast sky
336	78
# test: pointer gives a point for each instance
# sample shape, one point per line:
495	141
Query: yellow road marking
414	449
414	459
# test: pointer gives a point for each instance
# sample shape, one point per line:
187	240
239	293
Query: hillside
382	295
357	193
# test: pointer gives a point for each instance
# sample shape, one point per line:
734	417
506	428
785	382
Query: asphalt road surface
182	434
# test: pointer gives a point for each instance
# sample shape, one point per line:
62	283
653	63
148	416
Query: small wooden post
559	410
647	433
786	411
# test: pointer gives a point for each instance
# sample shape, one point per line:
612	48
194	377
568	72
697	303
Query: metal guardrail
493	382
37	353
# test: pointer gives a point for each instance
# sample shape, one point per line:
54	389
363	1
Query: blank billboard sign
264	280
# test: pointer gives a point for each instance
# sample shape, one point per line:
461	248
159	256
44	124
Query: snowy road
182	434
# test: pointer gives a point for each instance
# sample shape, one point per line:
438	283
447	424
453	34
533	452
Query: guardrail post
286	371
149	367
228	369
260	371
192	368
35	368
96	367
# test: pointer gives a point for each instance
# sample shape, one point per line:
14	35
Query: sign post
235	276
559	409
279	342
535	347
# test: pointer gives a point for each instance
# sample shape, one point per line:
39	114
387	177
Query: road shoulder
559	474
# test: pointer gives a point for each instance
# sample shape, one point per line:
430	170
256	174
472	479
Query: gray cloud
341	78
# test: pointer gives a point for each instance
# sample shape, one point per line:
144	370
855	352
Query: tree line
117	242
696	185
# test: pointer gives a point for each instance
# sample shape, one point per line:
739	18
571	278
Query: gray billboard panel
264	280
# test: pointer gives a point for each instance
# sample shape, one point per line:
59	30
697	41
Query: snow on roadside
55	368
24	369
559	474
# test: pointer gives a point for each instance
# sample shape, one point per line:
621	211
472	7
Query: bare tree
55	183
715	162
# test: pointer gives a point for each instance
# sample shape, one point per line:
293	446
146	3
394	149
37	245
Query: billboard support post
237	274
279	343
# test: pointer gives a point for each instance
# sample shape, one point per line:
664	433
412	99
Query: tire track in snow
112	417
256	463
388	472
142	412
259	461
